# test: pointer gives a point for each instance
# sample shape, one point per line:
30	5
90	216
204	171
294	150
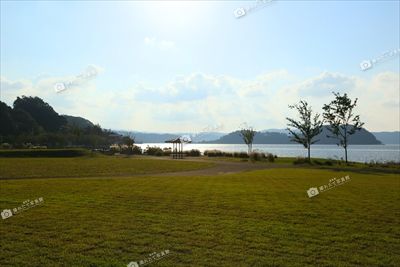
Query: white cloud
190	103
10	89
379	100
325	83
265	84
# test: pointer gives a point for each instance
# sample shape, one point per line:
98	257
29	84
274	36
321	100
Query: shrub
159	153
318	162
193	153
257	156
108	152
5	146
134	150
327	162
137	150
300	160
154	151
126	150
385	164
242	155
219	153
270	157
39	147
114	149
167	151
213	153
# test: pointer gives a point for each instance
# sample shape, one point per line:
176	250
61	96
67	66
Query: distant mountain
78	121
362	137
206	136
276	131
276	136
143	137
388	137
259	138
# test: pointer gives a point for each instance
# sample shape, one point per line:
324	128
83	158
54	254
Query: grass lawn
258	218
90	166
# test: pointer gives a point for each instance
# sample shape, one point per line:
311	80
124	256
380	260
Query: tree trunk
345	143
309	157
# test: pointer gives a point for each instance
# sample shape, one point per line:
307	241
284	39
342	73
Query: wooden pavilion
177	146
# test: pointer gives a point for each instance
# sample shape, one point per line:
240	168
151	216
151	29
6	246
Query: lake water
358	153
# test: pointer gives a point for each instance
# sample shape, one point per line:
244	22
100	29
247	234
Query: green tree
7	123
247	135
24	122
342	121
127	140
41	112
306	128
31	120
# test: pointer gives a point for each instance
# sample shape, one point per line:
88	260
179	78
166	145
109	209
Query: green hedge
26	153
219	153
193	153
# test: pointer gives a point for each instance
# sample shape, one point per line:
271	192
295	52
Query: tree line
33	121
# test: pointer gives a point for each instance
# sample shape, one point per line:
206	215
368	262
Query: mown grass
317	162
90	166
260	218
278	160
28	153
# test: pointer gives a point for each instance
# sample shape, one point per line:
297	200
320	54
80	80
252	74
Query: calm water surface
359	153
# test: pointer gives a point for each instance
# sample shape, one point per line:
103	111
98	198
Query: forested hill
31	121
362	137
78	121
388	137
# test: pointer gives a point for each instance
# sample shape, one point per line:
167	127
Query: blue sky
167	66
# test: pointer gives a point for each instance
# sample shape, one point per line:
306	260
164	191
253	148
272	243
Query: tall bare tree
247	135
342	121
306	128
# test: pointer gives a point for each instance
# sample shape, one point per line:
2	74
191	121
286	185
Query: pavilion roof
178	140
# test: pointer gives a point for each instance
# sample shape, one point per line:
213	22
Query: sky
186	66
